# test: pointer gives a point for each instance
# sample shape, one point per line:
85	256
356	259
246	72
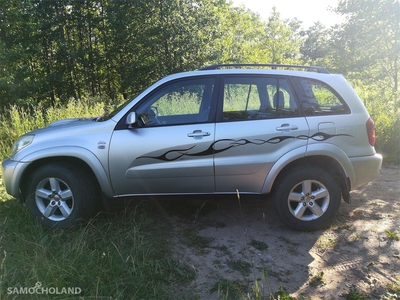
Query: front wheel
59	195
306	198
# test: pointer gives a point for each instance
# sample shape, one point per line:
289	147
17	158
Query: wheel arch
327	157
81	158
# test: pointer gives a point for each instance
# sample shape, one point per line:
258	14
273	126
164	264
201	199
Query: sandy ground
245	244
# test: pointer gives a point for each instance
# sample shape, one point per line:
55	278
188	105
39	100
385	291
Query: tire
306	198
60	195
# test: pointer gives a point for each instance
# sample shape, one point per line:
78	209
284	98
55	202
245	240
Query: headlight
21	143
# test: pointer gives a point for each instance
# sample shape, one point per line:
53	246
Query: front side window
180	102
252	98
317	98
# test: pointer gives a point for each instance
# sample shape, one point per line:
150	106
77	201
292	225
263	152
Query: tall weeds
16	121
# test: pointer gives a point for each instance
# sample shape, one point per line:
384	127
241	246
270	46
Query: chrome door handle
198	133
287	127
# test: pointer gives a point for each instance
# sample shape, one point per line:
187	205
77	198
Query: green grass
192	237
121	257
395	286
259	245
326	242
281	295
244	267
230	289
317	279
353	294
393	236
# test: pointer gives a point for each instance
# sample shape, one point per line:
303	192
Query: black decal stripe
213	149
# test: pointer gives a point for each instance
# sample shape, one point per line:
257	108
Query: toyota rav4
297	133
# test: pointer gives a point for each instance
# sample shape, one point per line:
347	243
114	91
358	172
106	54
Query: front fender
99	169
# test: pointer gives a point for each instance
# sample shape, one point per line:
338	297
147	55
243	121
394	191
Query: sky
307	11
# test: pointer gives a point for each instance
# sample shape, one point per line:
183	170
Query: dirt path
238	246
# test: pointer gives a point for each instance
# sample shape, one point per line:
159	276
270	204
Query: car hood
74	126
81	133
70	121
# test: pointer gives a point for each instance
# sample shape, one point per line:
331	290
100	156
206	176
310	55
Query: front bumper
12	173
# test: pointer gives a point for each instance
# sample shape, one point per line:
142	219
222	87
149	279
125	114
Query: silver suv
303	136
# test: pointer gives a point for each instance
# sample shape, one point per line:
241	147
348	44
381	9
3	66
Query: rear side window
318	98
254	98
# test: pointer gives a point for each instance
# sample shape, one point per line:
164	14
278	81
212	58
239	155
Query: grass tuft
317	279
230	289
281	295
353	294
393	236
259	245
242	266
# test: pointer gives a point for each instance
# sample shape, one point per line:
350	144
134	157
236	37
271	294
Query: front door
170	150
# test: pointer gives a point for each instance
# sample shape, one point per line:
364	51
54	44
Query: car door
258	122
169	149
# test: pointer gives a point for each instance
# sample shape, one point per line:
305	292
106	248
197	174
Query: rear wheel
59	195
306	198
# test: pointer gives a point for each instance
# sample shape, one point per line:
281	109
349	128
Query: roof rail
273	66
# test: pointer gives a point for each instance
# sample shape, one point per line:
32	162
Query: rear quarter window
318	98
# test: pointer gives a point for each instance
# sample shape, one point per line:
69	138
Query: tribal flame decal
319	137
175	154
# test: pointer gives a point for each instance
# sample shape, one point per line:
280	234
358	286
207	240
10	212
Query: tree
315	47
51	51
240	37
17	51
283	45
368	41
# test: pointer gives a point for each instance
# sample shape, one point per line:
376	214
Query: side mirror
131	119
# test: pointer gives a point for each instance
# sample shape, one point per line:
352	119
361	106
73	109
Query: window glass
181	102
250	98
320	99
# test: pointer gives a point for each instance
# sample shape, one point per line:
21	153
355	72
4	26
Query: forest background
57	55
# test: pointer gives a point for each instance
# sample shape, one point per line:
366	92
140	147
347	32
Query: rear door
170	149
258	121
